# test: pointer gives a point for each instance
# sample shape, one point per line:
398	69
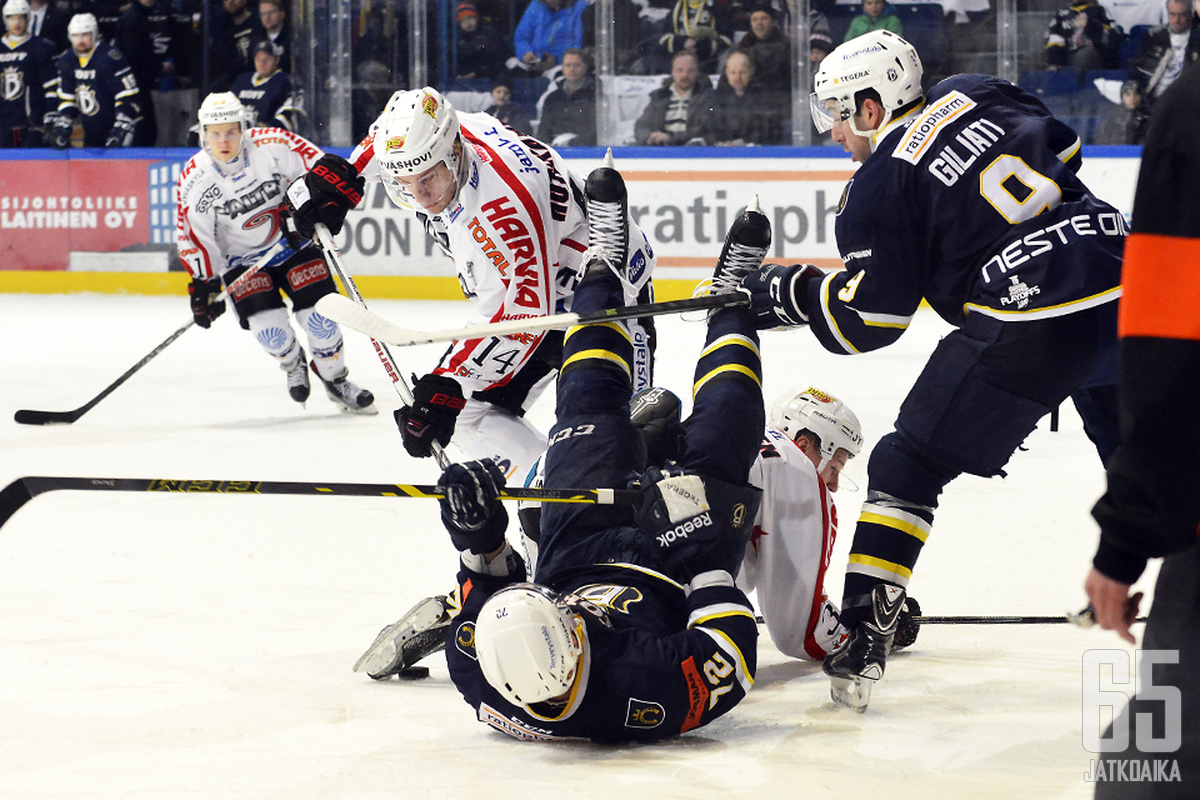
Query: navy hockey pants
593	443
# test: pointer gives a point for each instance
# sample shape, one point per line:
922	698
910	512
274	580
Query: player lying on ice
634	629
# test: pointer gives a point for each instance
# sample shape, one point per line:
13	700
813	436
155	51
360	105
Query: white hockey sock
273	330
324	343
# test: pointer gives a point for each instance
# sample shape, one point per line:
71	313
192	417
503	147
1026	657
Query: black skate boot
608	220
746	245
349	396
297	377
860	663
419	633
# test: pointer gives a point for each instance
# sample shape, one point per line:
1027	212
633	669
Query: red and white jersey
790	549
228	214
516	232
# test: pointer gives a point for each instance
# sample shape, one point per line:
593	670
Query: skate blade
383	657
852	693
369	411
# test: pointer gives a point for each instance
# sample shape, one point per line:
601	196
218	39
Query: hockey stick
28	417
358	318
329	248
1082	619
22	490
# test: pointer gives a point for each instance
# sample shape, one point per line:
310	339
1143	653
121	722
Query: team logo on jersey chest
845	196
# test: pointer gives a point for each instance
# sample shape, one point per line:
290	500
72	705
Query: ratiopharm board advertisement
94	211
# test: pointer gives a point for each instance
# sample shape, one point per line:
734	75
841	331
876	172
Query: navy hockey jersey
100	85
656	662
972	203
273	99
28	82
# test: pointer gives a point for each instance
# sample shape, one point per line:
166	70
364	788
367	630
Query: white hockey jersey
516	233
227	215
790	549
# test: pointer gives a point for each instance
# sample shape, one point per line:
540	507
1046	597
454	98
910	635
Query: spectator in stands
268	91
745	113
820	37
546	30
1127	123
1131	13
238	30
627	32
769	49
107	14
146	37
1166	51
273	17
701	27
677	112
877	15
48	22
1082	37
569	110
503	108
482	52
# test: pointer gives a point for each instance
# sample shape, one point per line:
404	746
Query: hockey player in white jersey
511	215
230	196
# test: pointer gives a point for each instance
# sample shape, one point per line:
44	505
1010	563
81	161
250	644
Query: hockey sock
273	331
325	343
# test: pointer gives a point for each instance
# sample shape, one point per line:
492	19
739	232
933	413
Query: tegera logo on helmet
429	105
818	394
394	143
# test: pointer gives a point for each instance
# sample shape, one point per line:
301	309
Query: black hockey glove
324	194
676	518
59	128
122	132
203	293
437	400
777	294
471	509
907	628
655	414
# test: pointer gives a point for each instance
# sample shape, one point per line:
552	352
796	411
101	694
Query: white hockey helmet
824	415
417	129
17	8
220	108
878	60
529	643
83	23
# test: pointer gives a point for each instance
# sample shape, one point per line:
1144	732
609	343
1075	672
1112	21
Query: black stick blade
27	417
12	497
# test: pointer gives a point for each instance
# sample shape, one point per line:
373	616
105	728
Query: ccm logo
682	530
449	401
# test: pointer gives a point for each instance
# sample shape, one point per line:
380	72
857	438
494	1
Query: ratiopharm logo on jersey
51	208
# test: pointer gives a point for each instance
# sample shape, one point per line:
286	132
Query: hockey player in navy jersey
28	81
97	88
634	630
270	93
967	198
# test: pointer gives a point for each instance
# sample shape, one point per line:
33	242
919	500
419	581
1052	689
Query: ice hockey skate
349	396
860	663
608	219
746	245
419	633
297	377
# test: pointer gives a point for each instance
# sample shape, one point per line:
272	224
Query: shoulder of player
195	176
275	138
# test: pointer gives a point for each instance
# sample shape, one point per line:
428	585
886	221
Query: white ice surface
172	646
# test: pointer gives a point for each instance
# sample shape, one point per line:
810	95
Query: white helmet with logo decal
83	23
878	60
823	414
17	8
220	108
417	130
529	644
